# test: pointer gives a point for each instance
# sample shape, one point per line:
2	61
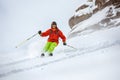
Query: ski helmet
53	23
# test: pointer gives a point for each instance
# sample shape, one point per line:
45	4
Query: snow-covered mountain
91	7
96	56
90	20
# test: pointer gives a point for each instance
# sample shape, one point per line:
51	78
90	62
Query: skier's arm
46	33
62	36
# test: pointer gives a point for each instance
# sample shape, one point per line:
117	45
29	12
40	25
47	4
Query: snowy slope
97	58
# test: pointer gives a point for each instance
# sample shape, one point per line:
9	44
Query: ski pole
72	47
26	40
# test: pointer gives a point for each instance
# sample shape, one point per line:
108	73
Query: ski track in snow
19	61
68	56
26	59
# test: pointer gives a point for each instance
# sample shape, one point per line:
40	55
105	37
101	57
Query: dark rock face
100	3
82	7
75	20
115	1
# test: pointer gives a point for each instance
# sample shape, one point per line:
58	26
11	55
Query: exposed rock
82	7
115	1
118	14
118	6
90	0
75	20
100	3
118	24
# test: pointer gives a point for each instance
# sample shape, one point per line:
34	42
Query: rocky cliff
88	9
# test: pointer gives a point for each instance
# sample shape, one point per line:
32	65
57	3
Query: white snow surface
96	57
88	10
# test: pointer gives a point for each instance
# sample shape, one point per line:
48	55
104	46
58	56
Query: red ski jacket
54	35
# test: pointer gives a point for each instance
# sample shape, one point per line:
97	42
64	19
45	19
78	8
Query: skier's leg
52	47
46	47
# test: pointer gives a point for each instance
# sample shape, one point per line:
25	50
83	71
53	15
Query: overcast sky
20	19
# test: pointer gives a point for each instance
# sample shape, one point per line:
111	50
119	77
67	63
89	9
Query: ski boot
42	54
51	54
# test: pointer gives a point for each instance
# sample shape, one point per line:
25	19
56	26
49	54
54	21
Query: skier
54	34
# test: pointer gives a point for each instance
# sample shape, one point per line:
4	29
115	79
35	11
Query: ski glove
39	32
64	43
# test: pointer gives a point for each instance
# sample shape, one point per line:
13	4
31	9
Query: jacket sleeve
62	36
46	33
